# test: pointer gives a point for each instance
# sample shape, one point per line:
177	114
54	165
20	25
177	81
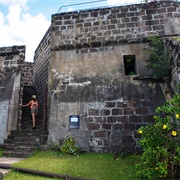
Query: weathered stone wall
11	62
173	46
111	105
86	73
125	23
28	74
41	60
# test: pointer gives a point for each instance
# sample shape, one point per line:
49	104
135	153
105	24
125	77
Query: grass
94	166
1	152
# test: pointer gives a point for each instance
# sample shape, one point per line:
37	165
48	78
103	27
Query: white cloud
21	3
18	28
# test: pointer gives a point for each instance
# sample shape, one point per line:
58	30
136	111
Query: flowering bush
160	142
69	147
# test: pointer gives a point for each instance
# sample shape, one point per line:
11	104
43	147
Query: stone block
112	26
106	126
67	16
90	119
93	112
83	15
125	20
9	57
135	119
88	24
105	112
121	104
151	22
141	111
133	19
104	12
151	11
147	17
130	14
94	14
83	51
115	10
110	104
171	9
100	134
114	21
140	13
130	24
129	126
158	27
128	111
112	16
124	9
122	119
121	15
93	126
93	50
117	126
116	111
111	119
99	119
132	103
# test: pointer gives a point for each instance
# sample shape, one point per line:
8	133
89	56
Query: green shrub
158	60
68	146
161	143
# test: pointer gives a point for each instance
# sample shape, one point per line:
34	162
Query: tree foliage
158	60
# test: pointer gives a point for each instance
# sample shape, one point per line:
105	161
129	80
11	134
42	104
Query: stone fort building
83	80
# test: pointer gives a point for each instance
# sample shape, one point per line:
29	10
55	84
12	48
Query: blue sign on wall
74	121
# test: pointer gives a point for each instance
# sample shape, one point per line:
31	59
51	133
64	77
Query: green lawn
94	166
1	152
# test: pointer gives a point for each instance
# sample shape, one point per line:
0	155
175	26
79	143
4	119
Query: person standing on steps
34	105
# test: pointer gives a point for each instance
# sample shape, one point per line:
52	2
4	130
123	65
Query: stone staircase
24	142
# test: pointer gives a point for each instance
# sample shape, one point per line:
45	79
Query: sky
24	22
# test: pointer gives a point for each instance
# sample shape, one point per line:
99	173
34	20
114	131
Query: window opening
129	64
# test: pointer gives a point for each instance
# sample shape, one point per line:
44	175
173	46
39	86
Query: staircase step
32	143
27	139
19	148
17	154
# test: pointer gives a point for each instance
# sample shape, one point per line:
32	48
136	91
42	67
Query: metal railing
99	3
79	4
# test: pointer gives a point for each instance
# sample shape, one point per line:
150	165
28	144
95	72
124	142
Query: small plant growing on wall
158	60
161	143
